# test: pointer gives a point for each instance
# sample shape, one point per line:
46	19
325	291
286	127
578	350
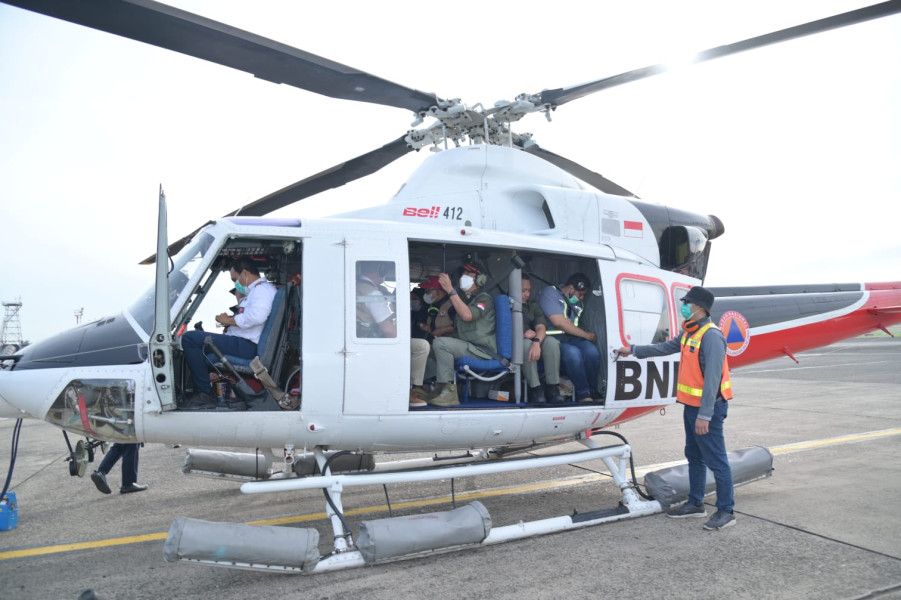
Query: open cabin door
161	337
377	327
641	309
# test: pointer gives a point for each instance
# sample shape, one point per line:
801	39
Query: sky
795	147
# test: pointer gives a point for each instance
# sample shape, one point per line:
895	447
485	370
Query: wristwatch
452	293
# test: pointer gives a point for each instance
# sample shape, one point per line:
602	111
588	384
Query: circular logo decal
737	332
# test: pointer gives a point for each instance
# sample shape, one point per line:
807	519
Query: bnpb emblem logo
737	332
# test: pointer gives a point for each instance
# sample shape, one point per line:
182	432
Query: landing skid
296	550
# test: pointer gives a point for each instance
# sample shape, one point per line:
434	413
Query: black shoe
99	480
132	488
200	401
536	395
552	393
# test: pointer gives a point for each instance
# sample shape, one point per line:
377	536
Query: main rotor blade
331	178
174	29
577	170
560	96
355	168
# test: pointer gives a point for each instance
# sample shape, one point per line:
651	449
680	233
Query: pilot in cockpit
241	337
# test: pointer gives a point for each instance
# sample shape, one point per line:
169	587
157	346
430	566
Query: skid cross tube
382	478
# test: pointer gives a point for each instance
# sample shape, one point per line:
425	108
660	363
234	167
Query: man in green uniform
538	346
475	334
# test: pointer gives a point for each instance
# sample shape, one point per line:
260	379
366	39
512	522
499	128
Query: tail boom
763	323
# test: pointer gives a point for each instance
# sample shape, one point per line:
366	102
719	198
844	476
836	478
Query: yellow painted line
844	439
120	541
465	496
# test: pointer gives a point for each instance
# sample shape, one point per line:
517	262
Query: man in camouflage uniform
474	323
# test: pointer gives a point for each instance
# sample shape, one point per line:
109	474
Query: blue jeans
195	357
582	361
129	455
703	451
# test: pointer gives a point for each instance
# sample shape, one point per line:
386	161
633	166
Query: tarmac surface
827	524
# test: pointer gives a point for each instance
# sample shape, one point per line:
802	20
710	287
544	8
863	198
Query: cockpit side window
184	268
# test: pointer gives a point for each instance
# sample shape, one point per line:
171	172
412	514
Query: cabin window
376	299
645	311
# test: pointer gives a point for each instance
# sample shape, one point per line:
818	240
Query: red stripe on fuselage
633	413
878	311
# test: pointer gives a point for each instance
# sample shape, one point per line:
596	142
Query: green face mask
240	288
686	311
573	299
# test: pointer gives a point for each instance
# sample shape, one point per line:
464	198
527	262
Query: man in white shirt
244	330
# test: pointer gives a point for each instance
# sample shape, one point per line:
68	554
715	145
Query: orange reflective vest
691	379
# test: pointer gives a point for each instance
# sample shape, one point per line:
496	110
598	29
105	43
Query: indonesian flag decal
634	229
481	305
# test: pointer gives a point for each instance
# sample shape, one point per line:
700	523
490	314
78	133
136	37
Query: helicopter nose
17	398
7	410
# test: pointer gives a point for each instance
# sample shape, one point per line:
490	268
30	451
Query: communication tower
12	327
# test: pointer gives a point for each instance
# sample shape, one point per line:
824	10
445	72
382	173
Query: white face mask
466	282
429	298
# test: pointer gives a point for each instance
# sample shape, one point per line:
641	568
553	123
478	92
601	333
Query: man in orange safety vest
704	388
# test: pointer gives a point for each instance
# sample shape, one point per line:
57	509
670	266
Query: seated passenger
435	318
242	335
579	353
539	346
474	323
419	312
438	317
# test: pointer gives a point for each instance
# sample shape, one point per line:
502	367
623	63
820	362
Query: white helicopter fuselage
493	201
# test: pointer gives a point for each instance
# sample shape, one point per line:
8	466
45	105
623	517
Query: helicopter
328	399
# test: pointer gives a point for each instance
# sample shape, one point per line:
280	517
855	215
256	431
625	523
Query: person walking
129	455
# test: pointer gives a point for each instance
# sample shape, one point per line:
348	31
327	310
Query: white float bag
399	536
236	544
242	465
670	486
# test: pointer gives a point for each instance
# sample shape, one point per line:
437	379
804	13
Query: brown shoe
416	400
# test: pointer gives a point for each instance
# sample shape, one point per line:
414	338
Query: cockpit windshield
185	265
